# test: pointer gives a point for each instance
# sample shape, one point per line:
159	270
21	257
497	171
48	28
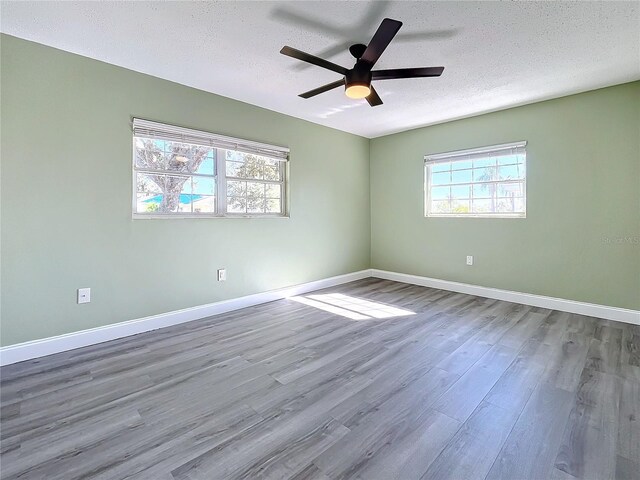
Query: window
178	172
479	182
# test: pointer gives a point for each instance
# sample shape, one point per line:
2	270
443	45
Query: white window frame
466	154
149	129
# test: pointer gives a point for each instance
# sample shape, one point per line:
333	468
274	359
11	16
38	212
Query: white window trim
150	129
446	157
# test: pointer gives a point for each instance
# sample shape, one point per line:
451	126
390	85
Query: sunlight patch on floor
351	307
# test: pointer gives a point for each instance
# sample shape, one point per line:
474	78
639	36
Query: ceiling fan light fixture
357	82
357	91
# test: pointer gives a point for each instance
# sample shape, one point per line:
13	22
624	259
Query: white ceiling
496	54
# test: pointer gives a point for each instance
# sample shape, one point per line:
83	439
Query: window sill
470	215
203	216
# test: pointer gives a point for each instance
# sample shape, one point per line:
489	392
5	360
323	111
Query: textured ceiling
495	54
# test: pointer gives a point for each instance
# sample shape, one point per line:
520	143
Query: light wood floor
465	388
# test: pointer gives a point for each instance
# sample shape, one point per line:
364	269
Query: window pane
462	176
234	168
489	189
148	194
441	178
236	188
255	189
441	206
273	205
204	204
440	193
485	174
184	198
146	203
208	164
519	205
272	172
461	191
245	166
482	206
204	185
509	159
484	162
150	154
511	189
163	193
509	205
232	155
171	147
236	204
146	184
272	191
255	204
460	206
461	165
511	171
184	157
482	190
440	167
271	162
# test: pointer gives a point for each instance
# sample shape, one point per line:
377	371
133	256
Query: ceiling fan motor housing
357	50
360	74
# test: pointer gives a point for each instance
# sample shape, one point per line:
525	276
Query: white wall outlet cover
84	295
222	275
469	259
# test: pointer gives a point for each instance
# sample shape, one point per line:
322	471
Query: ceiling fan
357	80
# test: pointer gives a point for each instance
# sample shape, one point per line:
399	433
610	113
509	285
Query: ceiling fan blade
306	57
322	89
381	40
329	52
373	98
407	73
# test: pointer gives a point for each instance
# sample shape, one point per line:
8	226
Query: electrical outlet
469	259
84	295
222	275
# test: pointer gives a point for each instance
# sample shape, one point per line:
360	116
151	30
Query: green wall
66	199
581	237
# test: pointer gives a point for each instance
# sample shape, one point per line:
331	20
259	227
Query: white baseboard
61	343
571	306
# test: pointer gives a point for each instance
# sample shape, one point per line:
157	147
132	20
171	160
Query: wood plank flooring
370	380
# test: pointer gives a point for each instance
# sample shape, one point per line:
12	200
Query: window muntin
181	172
483	182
